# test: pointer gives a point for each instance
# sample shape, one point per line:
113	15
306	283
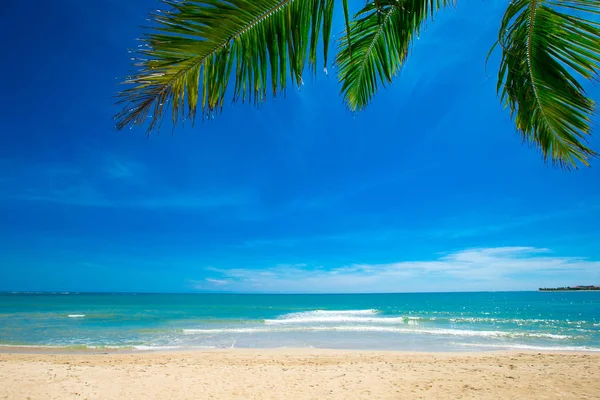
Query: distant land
569	288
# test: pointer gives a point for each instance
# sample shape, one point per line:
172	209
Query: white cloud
499	268
219	282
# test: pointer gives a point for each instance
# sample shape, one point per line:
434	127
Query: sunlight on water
431	322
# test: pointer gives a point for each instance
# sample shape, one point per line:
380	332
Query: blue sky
429	189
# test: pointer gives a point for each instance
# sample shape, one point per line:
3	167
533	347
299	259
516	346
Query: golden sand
299	374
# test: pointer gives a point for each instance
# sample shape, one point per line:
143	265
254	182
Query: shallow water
422	322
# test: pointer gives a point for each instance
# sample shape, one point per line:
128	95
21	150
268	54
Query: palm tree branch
200	59
533	5
377	46
361	69
347	20
194	47
544	43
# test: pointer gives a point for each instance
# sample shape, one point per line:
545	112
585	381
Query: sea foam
325	316
367	320
517	346
383	329
334	319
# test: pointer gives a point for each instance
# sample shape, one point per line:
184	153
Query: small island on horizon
569	288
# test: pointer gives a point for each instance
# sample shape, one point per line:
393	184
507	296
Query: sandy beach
299	374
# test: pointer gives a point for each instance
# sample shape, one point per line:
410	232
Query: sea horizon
59	292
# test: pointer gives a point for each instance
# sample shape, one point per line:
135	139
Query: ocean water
415	322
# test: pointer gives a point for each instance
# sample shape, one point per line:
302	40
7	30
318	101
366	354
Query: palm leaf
545	45
199	45
378	44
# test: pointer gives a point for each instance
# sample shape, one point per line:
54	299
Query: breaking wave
368	320
385	329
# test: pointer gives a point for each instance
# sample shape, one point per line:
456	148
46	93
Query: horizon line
66	292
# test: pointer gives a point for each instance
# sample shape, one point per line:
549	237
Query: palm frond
198	45
378	44
545	45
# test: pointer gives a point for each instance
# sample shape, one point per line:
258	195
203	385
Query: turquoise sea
422	322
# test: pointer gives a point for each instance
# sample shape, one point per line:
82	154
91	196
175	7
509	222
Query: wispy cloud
456	227
342	194
122	168
86	195
459	228
218	282
103	186
498	268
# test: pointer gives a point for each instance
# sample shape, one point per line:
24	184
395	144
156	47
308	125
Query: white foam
91	347
529	347
32	346
368	316
76	315
311	319
149	348
232	330
507	321
329	316
371	328
61	346
369	311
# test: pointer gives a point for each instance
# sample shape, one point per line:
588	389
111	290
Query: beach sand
299	374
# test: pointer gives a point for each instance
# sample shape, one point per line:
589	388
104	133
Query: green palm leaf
378	44
544	44
199	45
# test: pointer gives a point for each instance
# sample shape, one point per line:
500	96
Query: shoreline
90	351
300	374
